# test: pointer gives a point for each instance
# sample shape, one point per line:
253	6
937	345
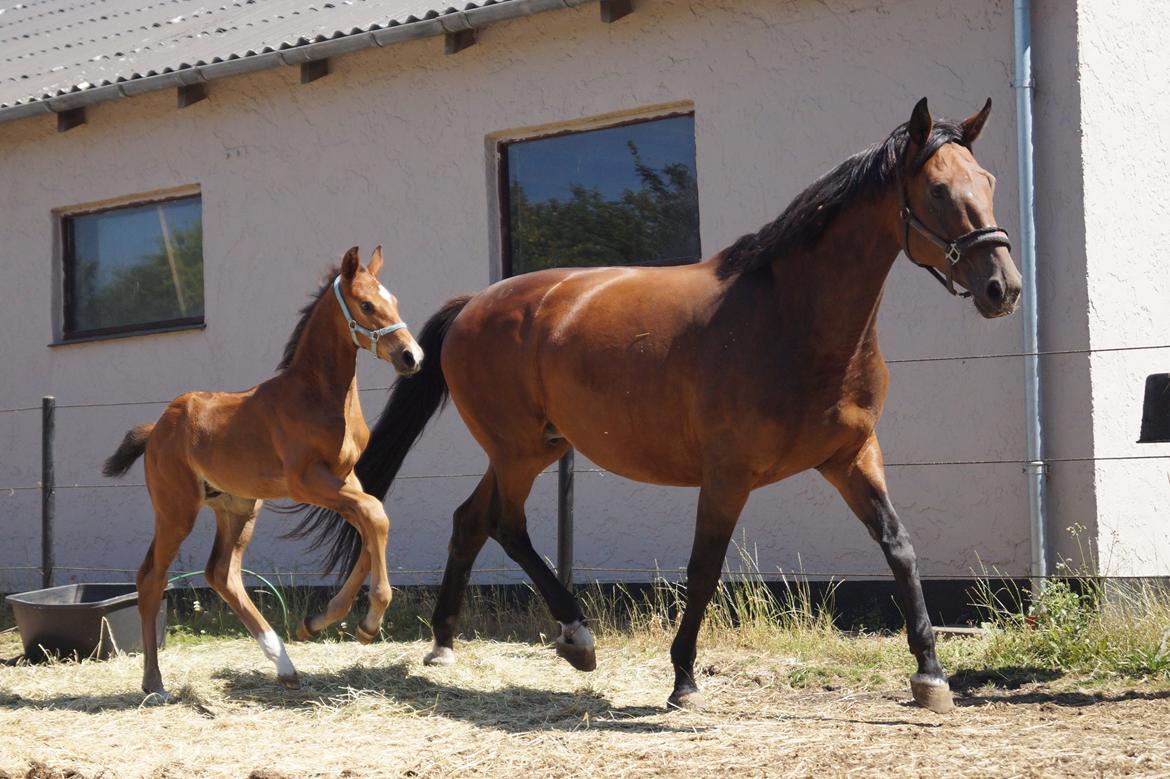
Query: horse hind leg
224	574
468	534
174	518
513	484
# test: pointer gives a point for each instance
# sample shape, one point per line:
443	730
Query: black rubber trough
81	621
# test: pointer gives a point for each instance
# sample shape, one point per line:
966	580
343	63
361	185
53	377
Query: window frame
503	195
65	227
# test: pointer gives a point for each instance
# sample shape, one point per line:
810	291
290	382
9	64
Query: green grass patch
1075	631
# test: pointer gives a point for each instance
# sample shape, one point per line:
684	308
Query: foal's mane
801	225
291	347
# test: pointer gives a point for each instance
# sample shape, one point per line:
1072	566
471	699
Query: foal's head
946	217
373	307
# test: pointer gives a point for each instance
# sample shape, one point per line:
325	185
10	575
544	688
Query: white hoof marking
274	650
576	634
930	681
440	655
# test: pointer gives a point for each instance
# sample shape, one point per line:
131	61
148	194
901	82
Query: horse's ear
350	264
375	261
973	125
920	124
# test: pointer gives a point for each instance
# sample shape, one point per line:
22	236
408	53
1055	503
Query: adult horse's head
371	314
946	220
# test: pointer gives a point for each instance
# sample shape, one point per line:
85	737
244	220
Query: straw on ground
514	709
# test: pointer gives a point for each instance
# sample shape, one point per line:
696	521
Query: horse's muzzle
407	360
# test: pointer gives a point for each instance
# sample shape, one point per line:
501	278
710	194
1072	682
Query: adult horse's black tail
413	401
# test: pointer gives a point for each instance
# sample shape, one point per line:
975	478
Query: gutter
470	19
1035	468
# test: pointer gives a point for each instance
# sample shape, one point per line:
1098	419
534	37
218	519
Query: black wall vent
1156	410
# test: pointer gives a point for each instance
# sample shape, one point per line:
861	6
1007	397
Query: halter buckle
953	254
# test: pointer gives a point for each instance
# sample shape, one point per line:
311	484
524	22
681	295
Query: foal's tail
413	401
131	448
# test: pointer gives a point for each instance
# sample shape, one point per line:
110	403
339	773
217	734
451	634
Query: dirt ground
513	709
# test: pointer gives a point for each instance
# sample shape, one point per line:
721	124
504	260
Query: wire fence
894	361
11	490
678	573
479	474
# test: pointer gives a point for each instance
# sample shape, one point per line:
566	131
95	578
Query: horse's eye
367	307
938	191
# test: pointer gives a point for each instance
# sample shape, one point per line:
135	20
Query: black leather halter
953	250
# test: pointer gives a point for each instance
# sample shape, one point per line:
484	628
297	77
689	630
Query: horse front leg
719	507
319	486
862	483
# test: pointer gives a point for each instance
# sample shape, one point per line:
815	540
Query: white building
398	140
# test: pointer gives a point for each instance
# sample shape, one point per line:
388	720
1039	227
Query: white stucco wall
1125	116
390	148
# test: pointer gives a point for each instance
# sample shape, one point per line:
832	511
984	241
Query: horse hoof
159	697
688	701
583	658
304	632
440	656
289	682
932	692
363	636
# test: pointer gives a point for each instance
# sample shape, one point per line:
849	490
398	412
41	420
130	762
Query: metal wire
1043	353
896	361
274	574
660	573
478	474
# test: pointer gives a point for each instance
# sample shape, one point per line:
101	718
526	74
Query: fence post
565	519
48	425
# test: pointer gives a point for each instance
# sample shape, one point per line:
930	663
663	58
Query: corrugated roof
50	48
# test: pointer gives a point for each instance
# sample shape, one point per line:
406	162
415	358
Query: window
133	268
615	196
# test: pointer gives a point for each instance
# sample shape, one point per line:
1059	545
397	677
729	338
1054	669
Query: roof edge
473	18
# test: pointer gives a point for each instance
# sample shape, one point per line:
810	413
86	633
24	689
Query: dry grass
776	707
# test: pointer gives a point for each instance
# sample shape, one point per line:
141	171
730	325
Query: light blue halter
355	328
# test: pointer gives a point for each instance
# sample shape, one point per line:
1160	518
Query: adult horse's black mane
290	348
810	212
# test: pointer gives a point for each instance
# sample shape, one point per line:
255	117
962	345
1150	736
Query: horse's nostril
994	291
408	358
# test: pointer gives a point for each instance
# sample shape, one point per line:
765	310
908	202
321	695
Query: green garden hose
271	587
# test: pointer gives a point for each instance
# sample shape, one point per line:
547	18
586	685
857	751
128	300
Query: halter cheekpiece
355	328
953	250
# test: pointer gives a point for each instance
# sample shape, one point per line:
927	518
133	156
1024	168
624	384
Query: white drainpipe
1035	467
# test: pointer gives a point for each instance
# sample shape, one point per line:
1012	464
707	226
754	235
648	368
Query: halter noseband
952	250
355	328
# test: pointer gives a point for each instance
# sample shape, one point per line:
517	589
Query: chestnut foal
297	435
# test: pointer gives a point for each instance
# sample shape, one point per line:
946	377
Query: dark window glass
134	268
615	196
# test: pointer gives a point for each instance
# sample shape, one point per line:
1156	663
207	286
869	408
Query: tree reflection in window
138	267
616	196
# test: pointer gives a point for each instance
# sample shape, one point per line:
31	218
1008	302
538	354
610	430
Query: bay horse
729	374
296	435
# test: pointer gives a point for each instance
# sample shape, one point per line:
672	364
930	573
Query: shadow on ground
1007	685
513	709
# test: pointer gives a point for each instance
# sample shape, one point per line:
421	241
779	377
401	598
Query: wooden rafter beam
67	120
612	10
455	42
313	70
190	94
